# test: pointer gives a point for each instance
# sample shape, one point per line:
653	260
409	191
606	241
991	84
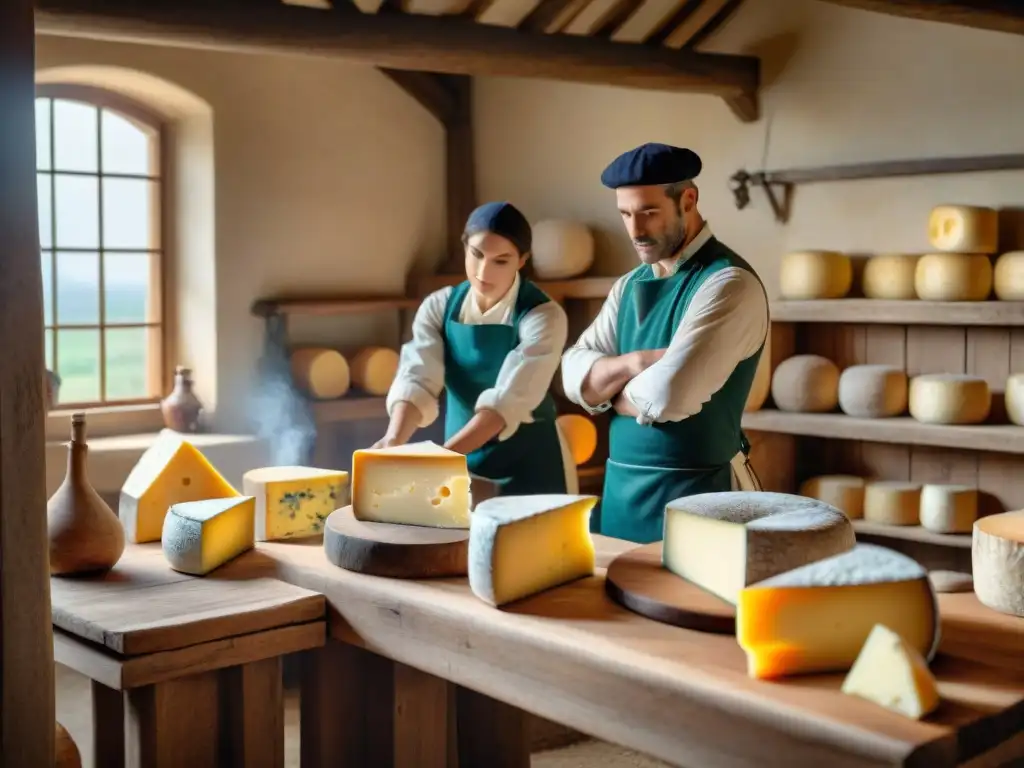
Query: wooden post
461	167
26	642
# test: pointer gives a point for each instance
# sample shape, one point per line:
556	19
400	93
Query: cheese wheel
873	391
323	374
1015	398
949	398
844	492
949	508
373	369
561	249
963	229
890	276
815	275
1008	276
762	383
806	383
997	554
892	502
953	277
581	435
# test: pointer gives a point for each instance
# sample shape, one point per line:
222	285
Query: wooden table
185	671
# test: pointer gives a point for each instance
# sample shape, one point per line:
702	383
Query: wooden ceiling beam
993	15
448	45
432	92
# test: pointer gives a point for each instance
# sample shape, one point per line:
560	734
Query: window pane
43	134
127	219
127	356
45	195
46	266
78	289
77	208
78	364
75	139
126	288
125	146
48	336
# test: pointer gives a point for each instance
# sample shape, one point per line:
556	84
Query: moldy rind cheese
294	502
997	552
200	536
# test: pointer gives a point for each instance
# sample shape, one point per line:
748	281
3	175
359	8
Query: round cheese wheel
949	508
892	502
373	369
323	374
873	391
561	249
963	229
949	398
890	276
844	492
815	275
997	557
953	277
1015	398
806	383
762	383
581	435
1008	276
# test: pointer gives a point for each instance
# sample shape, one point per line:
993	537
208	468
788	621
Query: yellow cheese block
170	472
413	484
891	502
816	618
948	508
199	536
1008	276
373	369
815	275
949	398
522	545
580	434
844	492
953	277
893	674
294	502
890	276
963	229
323	374
997	556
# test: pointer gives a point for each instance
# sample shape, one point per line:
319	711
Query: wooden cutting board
395	551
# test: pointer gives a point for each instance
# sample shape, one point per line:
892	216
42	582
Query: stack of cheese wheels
873	391
949	398
815	275
965	237
1008	277
580	434
997	556
373	369
892	502
807	384
890	276
844	492
321	373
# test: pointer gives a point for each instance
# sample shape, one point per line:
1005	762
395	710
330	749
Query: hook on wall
779	193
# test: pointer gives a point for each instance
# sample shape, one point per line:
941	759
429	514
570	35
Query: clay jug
85	535
182	409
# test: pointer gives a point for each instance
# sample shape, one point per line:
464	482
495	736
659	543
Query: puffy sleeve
420	376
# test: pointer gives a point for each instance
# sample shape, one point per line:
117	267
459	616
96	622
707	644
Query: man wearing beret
673	350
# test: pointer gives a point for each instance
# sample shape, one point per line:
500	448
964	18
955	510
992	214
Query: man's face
654	222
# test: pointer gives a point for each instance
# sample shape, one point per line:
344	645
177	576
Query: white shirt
725	323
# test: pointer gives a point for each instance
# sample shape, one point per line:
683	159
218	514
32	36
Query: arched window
101	205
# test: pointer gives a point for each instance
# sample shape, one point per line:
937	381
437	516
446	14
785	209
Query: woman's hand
624	406
388	441
405	419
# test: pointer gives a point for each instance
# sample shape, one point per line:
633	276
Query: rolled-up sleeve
525	376
420	376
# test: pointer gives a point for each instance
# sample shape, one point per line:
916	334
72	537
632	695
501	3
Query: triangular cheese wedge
893	674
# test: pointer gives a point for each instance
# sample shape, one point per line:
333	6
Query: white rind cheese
964	229
890	276
953	277
949	398
1015	398
815	275
200	536
891	502
724	541
806	384
949	508
1008	276
997	552
844	492
873	391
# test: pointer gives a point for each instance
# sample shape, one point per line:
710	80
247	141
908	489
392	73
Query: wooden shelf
997	438
993	15
331	305
349	409
987	313
912	533
558	290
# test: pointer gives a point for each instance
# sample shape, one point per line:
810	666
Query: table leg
491	734
107	727
254	715
174	724
421	719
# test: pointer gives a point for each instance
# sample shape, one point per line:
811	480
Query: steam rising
279	414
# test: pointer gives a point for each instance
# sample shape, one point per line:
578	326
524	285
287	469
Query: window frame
112	416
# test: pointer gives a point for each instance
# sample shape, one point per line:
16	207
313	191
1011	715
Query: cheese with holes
817	618
580	434
997	553
844	492
893	674
761	386
522	545
294	502
171	471
1015	398
890	276
873	391
323	374
949	508
413	484
964	229
374	369
724	541
891	502
815	275
199	536
806	383
953	277
1008	276
949	398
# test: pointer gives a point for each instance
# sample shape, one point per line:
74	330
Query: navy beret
651	164
502	219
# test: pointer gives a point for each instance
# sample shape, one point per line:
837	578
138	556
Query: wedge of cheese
199	536
294	502
998	561
170	472
818	617
724	541
893	674
522	545
413	484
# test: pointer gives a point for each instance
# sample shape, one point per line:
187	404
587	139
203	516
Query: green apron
530	461
651	465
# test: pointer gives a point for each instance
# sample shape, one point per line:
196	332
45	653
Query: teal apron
530	461
651	465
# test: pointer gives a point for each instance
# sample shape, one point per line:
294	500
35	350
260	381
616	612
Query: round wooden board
395	551
638	581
